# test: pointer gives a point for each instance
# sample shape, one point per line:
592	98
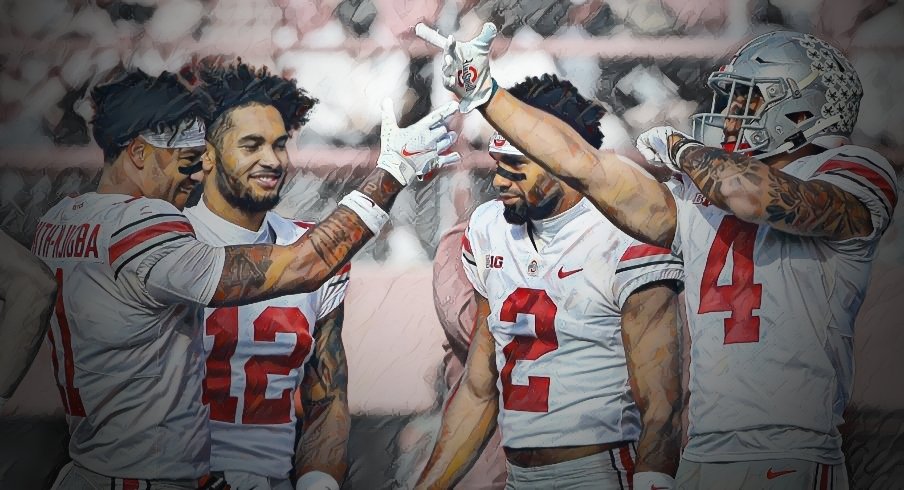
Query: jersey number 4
740	297
533	397
223	325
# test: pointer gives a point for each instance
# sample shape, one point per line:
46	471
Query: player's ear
207	159
138	151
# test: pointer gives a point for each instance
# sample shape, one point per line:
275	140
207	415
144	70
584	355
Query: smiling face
250	157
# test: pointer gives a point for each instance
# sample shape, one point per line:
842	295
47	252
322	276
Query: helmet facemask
738	108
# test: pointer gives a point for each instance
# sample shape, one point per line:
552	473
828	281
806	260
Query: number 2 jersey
555	316
256	355
771	318
125	338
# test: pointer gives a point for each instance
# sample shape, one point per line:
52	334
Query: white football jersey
771	318
555	318
256	355
125	341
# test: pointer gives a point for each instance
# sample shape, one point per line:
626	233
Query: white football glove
653	144
466	65
418	149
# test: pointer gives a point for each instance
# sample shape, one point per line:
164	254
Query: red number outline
69	394
222	324
743	295
533	397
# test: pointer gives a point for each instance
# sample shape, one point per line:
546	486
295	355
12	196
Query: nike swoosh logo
406	153
775	474
371	201
563	274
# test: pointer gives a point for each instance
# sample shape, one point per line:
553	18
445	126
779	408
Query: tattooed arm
253	273
758	193
630	197
27	291
324	396
652	348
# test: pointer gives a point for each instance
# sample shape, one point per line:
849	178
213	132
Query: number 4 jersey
555	318
256	356
771	318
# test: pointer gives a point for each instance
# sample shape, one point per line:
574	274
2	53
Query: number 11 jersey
555	317
771	318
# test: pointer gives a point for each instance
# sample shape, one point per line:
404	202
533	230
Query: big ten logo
494	262
701	199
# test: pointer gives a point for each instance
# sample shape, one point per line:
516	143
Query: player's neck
570	199
115	180
779	162
218	205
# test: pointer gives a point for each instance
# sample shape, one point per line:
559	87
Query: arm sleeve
155	249
642	264
470	263
872	181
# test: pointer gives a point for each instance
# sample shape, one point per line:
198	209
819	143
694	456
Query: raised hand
466	65
417	149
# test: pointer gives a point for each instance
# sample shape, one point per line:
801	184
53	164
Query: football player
576	343
259	354
778	226
27	292
126	337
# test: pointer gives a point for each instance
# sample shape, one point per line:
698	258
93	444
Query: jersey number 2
740	297
223	325
533	397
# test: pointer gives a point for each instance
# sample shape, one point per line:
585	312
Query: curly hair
239	85
561	99
133	101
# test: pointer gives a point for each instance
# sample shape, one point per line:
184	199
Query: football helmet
808	93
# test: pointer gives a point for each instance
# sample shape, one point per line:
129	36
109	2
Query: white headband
188	133
499	144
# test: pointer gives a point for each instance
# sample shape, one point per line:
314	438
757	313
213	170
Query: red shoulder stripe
131	241
874	178
641	251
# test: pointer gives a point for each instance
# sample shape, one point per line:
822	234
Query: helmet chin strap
801	138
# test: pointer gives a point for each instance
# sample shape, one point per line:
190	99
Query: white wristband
316	480
653	480
372	215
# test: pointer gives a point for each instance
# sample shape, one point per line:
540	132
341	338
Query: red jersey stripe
145	234
874	178
641	251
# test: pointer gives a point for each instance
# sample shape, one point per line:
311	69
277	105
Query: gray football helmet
811	94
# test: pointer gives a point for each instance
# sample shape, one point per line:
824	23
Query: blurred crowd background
646	60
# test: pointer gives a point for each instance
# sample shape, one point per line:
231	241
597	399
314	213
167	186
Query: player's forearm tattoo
338	237
806	207
382	188
325	400
244	270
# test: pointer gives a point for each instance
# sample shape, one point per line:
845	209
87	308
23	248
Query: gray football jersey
125	334
771	318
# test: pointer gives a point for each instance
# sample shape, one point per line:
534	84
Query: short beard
520	213
239	196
